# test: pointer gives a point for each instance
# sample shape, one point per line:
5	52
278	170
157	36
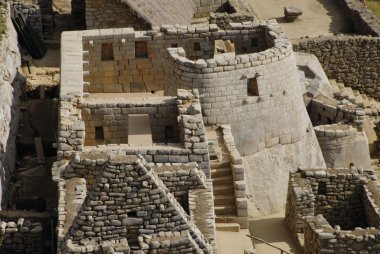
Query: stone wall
320	237
353	60
334	193
107	14
144	206
113	118
10	90
22	236
259	120
324	110
342	144
32	12
237	172
362	18
204	7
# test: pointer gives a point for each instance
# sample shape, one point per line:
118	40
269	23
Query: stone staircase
370	105
222	181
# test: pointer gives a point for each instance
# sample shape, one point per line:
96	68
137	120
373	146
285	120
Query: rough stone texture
144	206
204	7
106	14
347	198
320	237
21	236
316	81
137	14
10	90
353	60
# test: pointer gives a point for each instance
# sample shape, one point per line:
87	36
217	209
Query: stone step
223	189
225	199
230	227
222	180
340	85
334	87
216	172
218	164
225	210
348	94
242	221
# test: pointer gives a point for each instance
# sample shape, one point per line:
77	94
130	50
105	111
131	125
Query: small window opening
197	46
141	49
174	45
132	214
319	117
322	188
329	121
107	52
99	133
152	92
252	87
169	133
254	42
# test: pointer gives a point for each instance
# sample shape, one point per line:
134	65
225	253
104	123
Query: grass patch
2	20
374	5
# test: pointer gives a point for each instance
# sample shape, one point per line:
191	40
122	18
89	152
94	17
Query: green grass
374	5
2	20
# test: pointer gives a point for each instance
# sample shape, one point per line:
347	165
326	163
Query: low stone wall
113	118
237	172
324	110
320	237
342	144
22	236
10	90
353	60
362	18
370	200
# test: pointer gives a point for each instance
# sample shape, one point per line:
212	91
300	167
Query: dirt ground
320	17
264	228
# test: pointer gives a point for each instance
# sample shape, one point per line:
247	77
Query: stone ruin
334	210
158	116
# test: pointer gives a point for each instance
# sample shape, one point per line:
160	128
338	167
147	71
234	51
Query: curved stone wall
343	144
275	114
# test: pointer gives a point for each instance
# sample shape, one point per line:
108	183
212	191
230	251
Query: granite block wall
144	206
113	118
21	236
106	14
353	60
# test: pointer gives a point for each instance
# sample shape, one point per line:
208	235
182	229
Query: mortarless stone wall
353	60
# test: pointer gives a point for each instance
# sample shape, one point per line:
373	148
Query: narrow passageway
272	229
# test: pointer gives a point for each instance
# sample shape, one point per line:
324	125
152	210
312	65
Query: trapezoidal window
107	52
141	49
252	88
99	133
322	190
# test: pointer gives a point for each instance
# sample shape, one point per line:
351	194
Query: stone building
334	210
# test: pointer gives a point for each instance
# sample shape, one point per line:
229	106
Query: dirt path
320	17
272	229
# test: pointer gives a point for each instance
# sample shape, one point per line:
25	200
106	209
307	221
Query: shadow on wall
340	21
8	149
